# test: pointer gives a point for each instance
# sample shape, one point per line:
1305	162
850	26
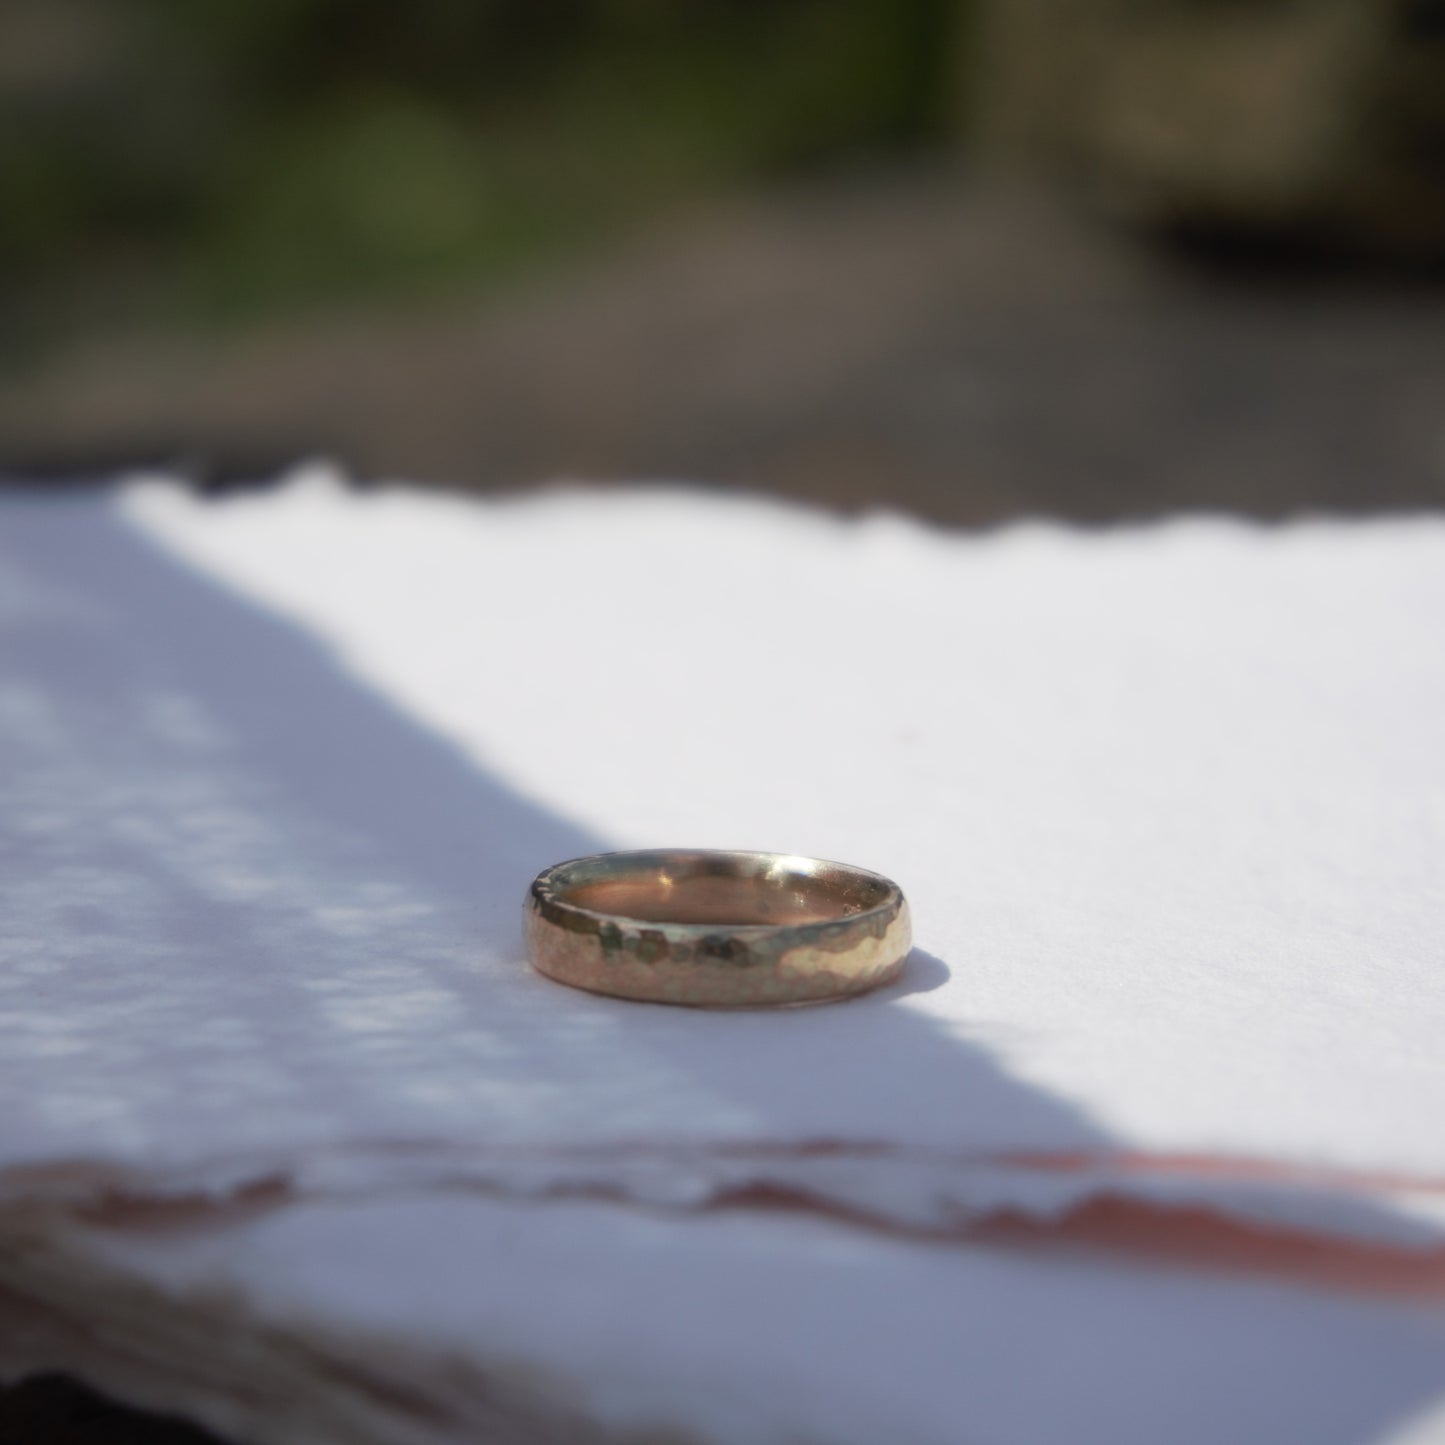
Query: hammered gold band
716	929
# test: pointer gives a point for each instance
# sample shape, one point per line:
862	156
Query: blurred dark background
1088	258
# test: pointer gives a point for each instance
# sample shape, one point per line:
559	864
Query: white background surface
1169	804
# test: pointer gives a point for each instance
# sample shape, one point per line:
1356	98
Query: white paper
285	1118
1169	803
442	1317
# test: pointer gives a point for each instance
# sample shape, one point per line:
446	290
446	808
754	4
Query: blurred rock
1318	120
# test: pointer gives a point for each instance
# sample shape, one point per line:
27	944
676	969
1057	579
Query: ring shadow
922	973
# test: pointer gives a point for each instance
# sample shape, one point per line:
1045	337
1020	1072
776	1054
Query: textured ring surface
716	929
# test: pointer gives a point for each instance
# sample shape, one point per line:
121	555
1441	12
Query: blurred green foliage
209	160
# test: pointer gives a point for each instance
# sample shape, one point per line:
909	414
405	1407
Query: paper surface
1169	805
419	1318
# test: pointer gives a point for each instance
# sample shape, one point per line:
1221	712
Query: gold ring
716	929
